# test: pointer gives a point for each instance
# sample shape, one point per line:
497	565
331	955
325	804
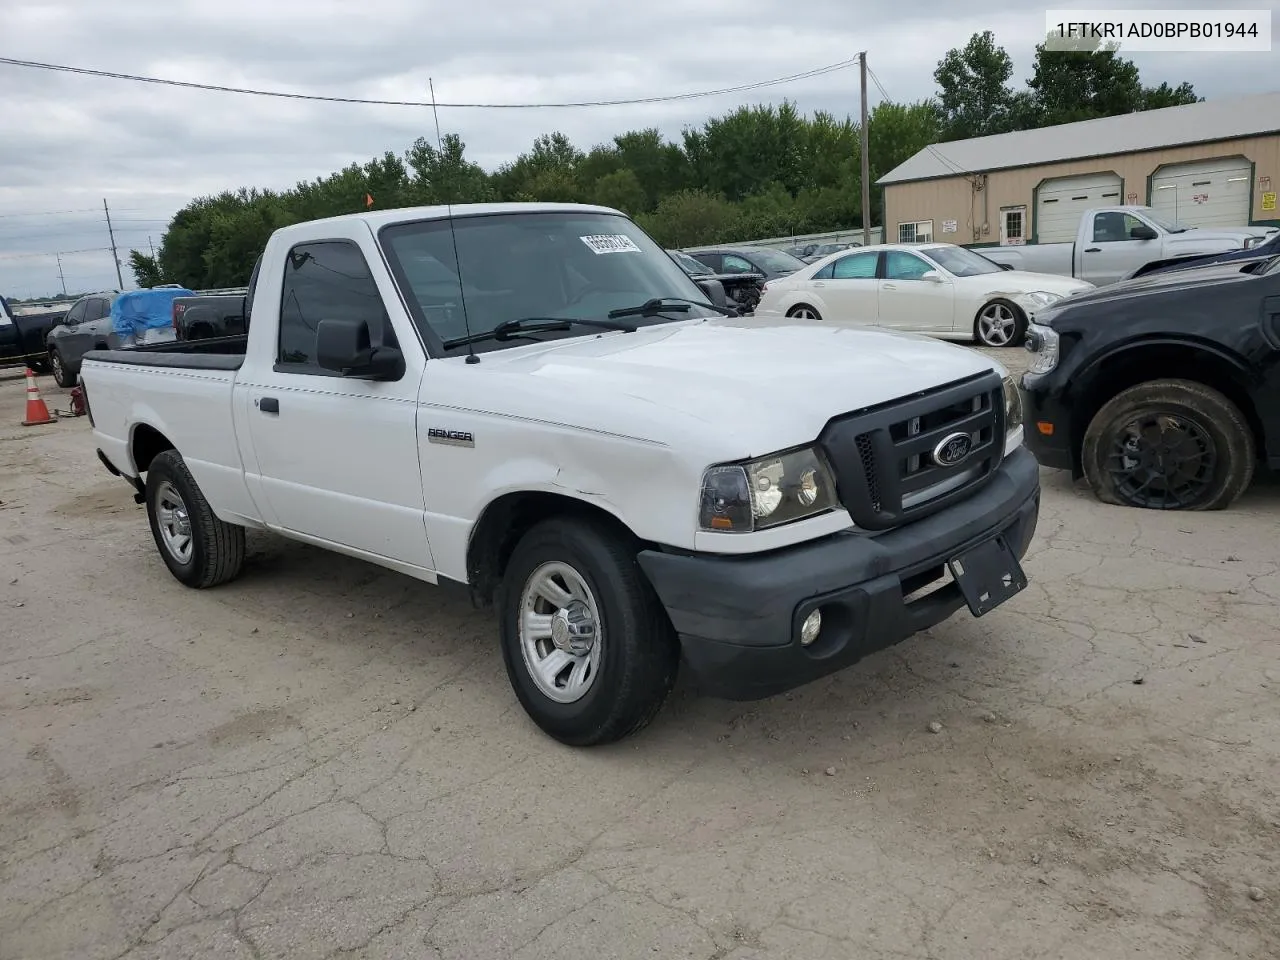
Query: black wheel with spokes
1169	445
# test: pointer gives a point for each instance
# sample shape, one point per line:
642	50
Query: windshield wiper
661	305
525	326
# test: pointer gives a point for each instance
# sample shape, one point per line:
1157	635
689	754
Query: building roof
1128	133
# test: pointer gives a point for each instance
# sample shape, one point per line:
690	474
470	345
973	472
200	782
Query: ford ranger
536	401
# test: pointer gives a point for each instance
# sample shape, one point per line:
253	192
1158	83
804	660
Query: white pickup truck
535	400
1113	242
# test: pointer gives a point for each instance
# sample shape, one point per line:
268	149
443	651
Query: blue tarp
140	310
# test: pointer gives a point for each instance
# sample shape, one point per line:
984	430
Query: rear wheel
802	311
587	646
1169	445
1000	324
199	549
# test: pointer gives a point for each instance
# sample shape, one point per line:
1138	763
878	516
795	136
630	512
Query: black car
743	289
772	263
22	336
1164	391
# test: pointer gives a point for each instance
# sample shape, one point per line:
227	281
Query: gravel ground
324	759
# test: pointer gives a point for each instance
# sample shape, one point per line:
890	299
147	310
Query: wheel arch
507	518
1164	359
145	444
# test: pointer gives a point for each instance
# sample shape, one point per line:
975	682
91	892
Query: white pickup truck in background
1113	242
535	400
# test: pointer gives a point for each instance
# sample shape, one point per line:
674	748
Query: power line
932	148
47	213
740	88
54	253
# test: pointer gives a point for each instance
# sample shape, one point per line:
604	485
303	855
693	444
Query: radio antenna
453	232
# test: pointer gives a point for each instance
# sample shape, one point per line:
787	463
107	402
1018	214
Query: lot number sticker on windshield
610	243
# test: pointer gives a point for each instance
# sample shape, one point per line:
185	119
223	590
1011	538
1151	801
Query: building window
919	232
1013	225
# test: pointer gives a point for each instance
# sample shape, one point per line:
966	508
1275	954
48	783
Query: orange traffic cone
37	411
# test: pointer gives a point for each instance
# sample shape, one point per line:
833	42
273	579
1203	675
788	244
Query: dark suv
87	326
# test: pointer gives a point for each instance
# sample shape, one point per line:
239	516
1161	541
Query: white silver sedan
940	289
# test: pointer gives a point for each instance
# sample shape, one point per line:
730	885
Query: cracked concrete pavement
325	760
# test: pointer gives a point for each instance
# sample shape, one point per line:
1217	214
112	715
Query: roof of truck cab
381	218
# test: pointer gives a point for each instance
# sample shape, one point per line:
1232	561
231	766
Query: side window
859	266
328	280
712	260
904	266
98	309
736	264
1114	226
826	273
75	314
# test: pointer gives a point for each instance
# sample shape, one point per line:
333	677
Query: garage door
1206	193
1060	202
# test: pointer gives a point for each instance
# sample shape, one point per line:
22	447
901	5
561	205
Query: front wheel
587	646
199	549
1000	324
61	375
1169	445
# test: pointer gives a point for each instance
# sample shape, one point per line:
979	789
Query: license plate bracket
988	574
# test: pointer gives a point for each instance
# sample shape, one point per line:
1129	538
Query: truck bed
214	353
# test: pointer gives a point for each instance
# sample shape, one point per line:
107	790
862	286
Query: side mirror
1142	232
1005	266
933	276
714	290
343	346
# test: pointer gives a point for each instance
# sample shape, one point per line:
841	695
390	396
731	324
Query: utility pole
152	246
866	158
61	277
116	256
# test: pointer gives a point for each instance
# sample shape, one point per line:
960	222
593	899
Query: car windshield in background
692	266
1164	223
561	265
778	261
962	262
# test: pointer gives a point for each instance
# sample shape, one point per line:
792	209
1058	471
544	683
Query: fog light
811	627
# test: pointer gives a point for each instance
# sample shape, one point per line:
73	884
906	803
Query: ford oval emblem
952	449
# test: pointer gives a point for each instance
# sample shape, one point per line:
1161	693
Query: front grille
889	463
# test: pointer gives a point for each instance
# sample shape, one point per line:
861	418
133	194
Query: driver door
1115	252
912	303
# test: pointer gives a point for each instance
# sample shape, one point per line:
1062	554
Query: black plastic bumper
739	617
1042	405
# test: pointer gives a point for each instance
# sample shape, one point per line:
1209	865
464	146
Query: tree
1155	98
146	272
973	88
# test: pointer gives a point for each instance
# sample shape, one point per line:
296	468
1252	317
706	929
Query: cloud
70	141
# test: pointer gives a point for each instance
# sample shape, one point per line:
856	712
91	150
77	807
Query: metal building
1211	164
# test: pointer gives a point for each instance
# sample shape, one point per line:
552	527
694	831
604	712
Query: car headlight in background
743	497
1042	342
1033	302
1252	241
1012	405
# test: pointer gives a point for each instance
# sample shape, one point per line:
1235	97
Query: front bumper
739	618
1041	406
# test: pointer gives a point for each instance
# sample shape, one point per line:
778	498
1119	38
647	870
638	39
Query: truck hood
1212	241
735	385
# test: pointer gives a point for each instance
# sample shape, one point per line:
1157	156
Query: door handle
269	405
1093	250
889	286
818	283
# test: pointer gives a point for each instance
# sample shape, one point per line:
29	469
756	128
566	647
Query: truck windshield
961	262
567	264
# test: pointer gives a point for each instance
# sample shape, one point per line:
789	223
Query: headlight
742	497
1032	302
1042	342
1012	405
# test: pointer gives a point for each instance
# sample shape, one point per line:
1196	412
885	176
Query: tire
802	311
1207	421
61	375
215	551
1005	312
39	365
634	655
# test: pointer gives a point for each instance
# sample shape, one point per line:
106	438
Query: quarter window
329	280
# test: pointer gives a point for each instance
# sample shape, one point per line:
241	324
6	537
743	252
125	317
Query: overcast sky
66	141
